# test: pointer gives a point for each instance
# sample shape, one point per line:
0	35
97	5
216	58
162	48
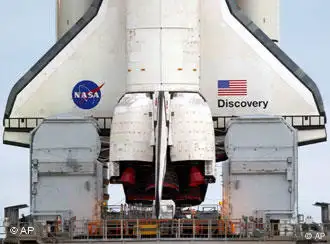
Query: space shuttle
163	78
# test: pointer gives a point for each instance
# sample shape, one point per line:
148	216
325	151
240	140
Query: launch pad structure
155	93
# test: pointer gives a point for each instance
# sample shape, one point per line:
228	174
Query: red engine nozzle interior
170	185
128	176
184	183
196	177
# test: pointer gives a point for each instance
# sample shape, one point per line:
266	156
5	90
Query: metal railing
171	229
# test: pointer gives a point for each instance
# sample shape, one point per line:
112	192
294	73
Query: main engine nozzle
128	176
196	177
170	185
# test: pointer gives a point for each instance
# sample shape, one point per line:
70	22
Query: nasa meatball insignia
242	104
86	94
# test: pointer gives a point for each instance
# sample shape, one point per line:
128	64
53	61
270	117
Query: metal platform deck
173	231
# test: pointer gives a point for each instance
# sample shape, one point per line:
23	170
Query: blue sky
27	31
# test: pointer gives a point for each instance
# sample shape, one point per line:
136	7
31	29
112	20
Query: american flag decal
232	87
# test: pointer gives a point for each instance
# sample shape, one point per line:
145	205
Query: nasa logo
86	94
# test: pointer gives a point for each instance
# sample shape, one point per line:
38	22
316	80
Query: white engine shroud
187	127
191	133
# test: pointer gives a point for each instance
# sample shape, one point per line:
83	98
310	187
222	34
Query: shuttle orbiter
163	78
